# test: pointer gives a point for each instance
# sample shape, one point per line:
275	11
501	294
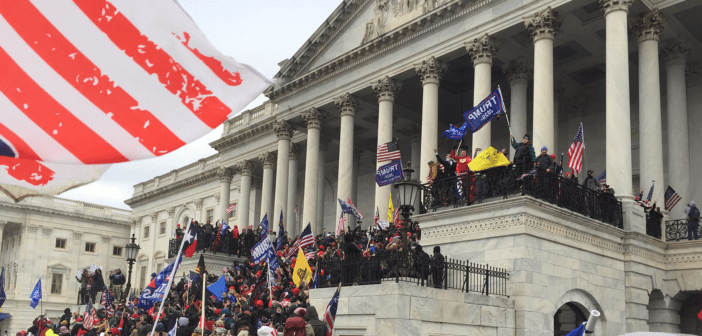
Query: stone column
648	28
313	118
354	178
256	206
558	92
618	148
348	106
225	178
518	75
675	55
542	27
291	222
2	229
244	206
429	72
268	161
481	51
321	183
415	134
284	132
386	89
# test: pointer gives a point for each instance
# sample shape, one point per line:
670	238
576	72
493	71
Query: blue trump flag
158	287
389	173
478	116
279	244
219	287
35	297
224	228
265	227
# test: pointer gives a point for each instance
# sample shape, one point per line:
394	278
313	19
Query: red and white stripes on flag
671	198
389	151
88	83
229	210
575	152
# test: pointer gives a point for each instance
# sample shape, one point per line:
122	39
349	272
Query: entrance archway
568	317
689	323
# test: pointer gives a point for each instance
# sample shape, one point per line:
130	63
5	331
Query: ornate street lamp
408	190
131	250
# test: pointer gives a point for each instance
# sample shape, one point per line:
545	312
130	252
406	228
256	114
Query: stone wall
407	309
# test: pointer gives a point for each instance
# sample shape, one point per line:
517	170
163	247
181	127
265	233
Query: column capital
295	150
313	117
198	203
324	142
225	174
267	159
543	24
431	70
2	224
217	197
648	26
283	130
154	216
517	72
675	53
347	104
170	211
244	167
482	49
79	234
255	181
386	89
609	6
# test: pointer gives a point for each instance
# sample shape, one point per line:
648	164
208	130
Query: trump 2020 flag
478	116
35	297
88	83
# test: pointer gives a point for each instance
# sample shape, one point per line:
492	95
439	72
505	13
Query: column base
634	216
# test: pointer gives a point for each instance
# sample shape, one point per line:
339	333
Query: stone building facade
379	70
51	238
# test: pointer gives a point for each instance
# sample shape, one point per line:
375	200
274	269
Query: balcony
503	182
677	230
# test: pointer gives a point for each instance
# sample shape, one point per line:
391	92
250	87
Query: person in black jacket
312	318
449	165
653	222
437	267
207	228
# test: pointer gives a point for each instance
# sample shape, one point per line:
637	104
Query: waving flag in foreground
671	198
35	297
190	241
575	152
475	118
330	312
88	83
306	239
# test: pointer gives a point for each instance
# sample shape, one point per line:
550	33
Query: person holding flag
281	229
330	311
524	157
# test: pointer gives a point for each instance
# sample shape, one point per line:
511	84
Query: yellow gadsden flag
391	210
302	272
489	158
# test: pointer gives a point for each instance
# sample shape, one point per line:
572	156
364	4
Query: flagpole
170	280
204	285
270	291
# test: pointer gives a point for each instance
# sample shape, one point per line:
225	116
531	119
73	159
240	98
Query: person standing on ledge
524	156
693	221
544	161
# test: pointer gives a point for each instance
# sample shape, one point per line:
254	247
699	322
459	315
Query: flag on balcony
265	227
96	82
344	208
302	272
489	158
389	151
671	198
602	179
647	202
575	152
35	296
478	116
341	224
579	331
306	239
190	241
224	228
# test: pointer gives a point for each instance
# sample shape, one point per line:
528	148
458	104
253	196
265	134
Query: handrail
676	229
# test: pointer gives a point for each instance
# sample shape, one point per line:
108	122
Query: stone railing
76	206
178	174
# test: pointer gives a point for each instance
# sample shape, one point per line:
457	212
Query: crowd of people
247	308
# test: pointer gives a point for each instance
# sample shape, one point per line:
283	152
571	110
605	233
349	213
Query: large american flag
671	198
88	83
602	179
389	151
575	152
89	317
330	312
306	239
650	195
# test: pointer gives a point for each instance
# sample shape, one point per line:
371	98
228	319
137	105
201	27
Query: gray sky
259	33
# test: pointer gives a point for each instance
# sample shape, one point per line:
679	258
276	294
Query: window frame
147	232
85	248
207	217
65	243
162	229
55	276
121	251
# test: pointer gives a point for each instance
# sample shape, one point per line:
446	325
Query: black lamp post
407	195
131	250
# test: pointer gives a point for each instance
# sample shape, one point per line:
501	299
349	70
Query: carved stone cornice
198	203
482	49
225	174
170	211
106	238
46	231
297	74
295	150
35	209
543	24
267	159
2	224
186	183
154	217
683	258
517	72
242	135
644	253
244	167
675	53
313	117
30	228
386	89
283	130
608	6
77	234
431	70
648	26
347	105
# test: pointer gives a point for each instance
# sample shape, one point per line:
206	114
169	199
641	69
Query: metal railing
119	293
224	245
422	271
503	181
677	229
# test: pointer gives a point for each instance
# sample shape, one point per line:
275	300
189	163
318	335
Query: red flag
699	315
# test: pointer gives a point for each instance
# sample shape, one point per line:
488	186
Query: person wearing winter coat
319	328
524	156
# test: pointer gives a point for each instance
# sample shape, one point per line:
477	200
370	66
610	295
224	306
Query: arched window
567	318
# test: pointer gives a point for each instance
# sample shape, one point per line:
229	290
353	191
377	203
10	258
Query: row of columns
542	27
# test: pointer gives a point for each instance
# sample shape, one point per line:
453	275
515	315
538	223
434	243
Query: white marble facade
51	238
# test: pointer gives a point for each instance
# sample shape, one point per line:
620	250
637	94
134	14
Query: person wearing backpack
295	324
693	221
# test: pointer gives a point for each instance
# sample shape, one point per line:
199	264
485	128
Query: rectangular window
159	268
90	247
56	283
162	228
146	232
142	277
60	243
117	251
233	213
210	215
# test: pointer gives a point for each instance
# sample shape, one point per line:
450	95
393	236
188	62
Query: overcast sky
258	33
